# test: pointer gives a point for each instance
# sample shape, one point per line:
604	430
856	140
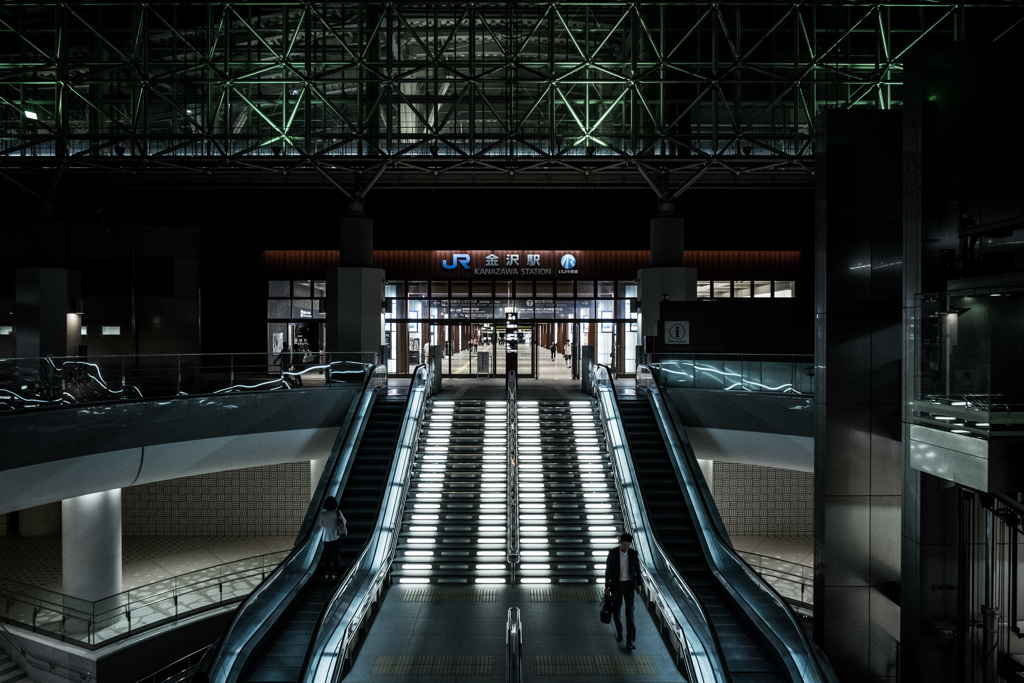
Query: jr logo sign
457	260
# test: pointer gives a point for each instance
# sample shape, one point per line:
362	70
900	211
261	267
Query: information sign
677	331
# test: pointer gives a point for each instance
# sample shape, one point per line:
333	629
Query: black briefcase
606	609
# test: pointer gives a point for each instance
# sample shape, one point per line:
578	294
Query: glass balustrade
750	373
93	624
53	382
968	377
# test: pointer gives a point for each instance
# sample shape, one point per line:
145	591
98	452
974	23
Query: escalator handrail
226	663
341	618
703	658
776	622
375	379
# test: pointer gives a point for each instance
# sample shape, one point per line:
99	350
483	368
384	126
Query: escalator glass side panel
343	615
759	609
359	499
253	624
668	506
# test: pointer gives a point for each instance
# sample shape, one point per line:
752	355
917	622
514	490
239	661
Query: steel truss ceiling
353	95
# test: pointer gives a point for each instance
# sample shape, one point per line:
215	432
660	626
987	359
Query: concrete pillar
667	279
42	298
91	554
707	468
857	452
666	238
355	235
355	315
316	470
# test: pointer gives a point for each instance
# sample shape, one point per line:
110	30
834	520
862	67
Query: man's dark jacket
611	572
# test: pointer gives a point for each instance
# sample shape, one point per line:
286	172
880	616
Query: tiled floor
562	637
144	559
786	563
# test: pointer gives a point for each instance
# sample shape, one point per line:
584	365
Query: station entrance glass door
478	349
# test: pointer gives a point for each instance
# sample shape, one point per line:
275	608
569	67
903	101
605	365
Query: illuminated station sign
510	263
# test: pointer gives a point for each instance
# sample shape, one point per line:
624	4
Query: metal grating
592	593
594	665
440	665
465	594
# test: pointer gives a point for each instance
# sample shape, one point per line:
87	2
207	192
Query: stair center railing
512	474
514	647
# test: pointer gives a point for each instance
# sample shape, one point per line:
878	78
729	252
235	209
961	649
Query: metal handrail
15	592
48	665
342	620
180	669
512	478
514	646
225	662
757	562
721	552
701	652
798	380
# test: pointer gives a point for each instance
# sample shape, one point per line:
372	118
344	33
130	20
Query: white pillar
91	541
316	470
707	467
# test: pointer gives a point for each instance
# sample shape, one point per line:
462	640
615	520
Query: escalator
285	648
745	656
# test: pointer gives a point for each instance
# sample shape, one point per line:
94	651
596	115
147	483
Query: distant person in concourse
568	353
622	582
286	359
552	352
335	526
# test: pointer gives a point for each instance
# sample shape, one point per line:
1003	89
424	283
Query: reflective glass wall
969	377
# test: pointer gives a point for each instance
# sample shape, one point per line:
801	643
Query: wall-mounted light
31	115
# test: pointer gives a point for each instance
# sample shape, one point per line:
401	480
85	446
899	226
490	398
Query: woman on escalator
335	526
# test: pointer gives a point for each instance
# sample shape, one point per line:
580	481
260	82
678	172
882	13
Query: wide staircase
569	513
454	527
